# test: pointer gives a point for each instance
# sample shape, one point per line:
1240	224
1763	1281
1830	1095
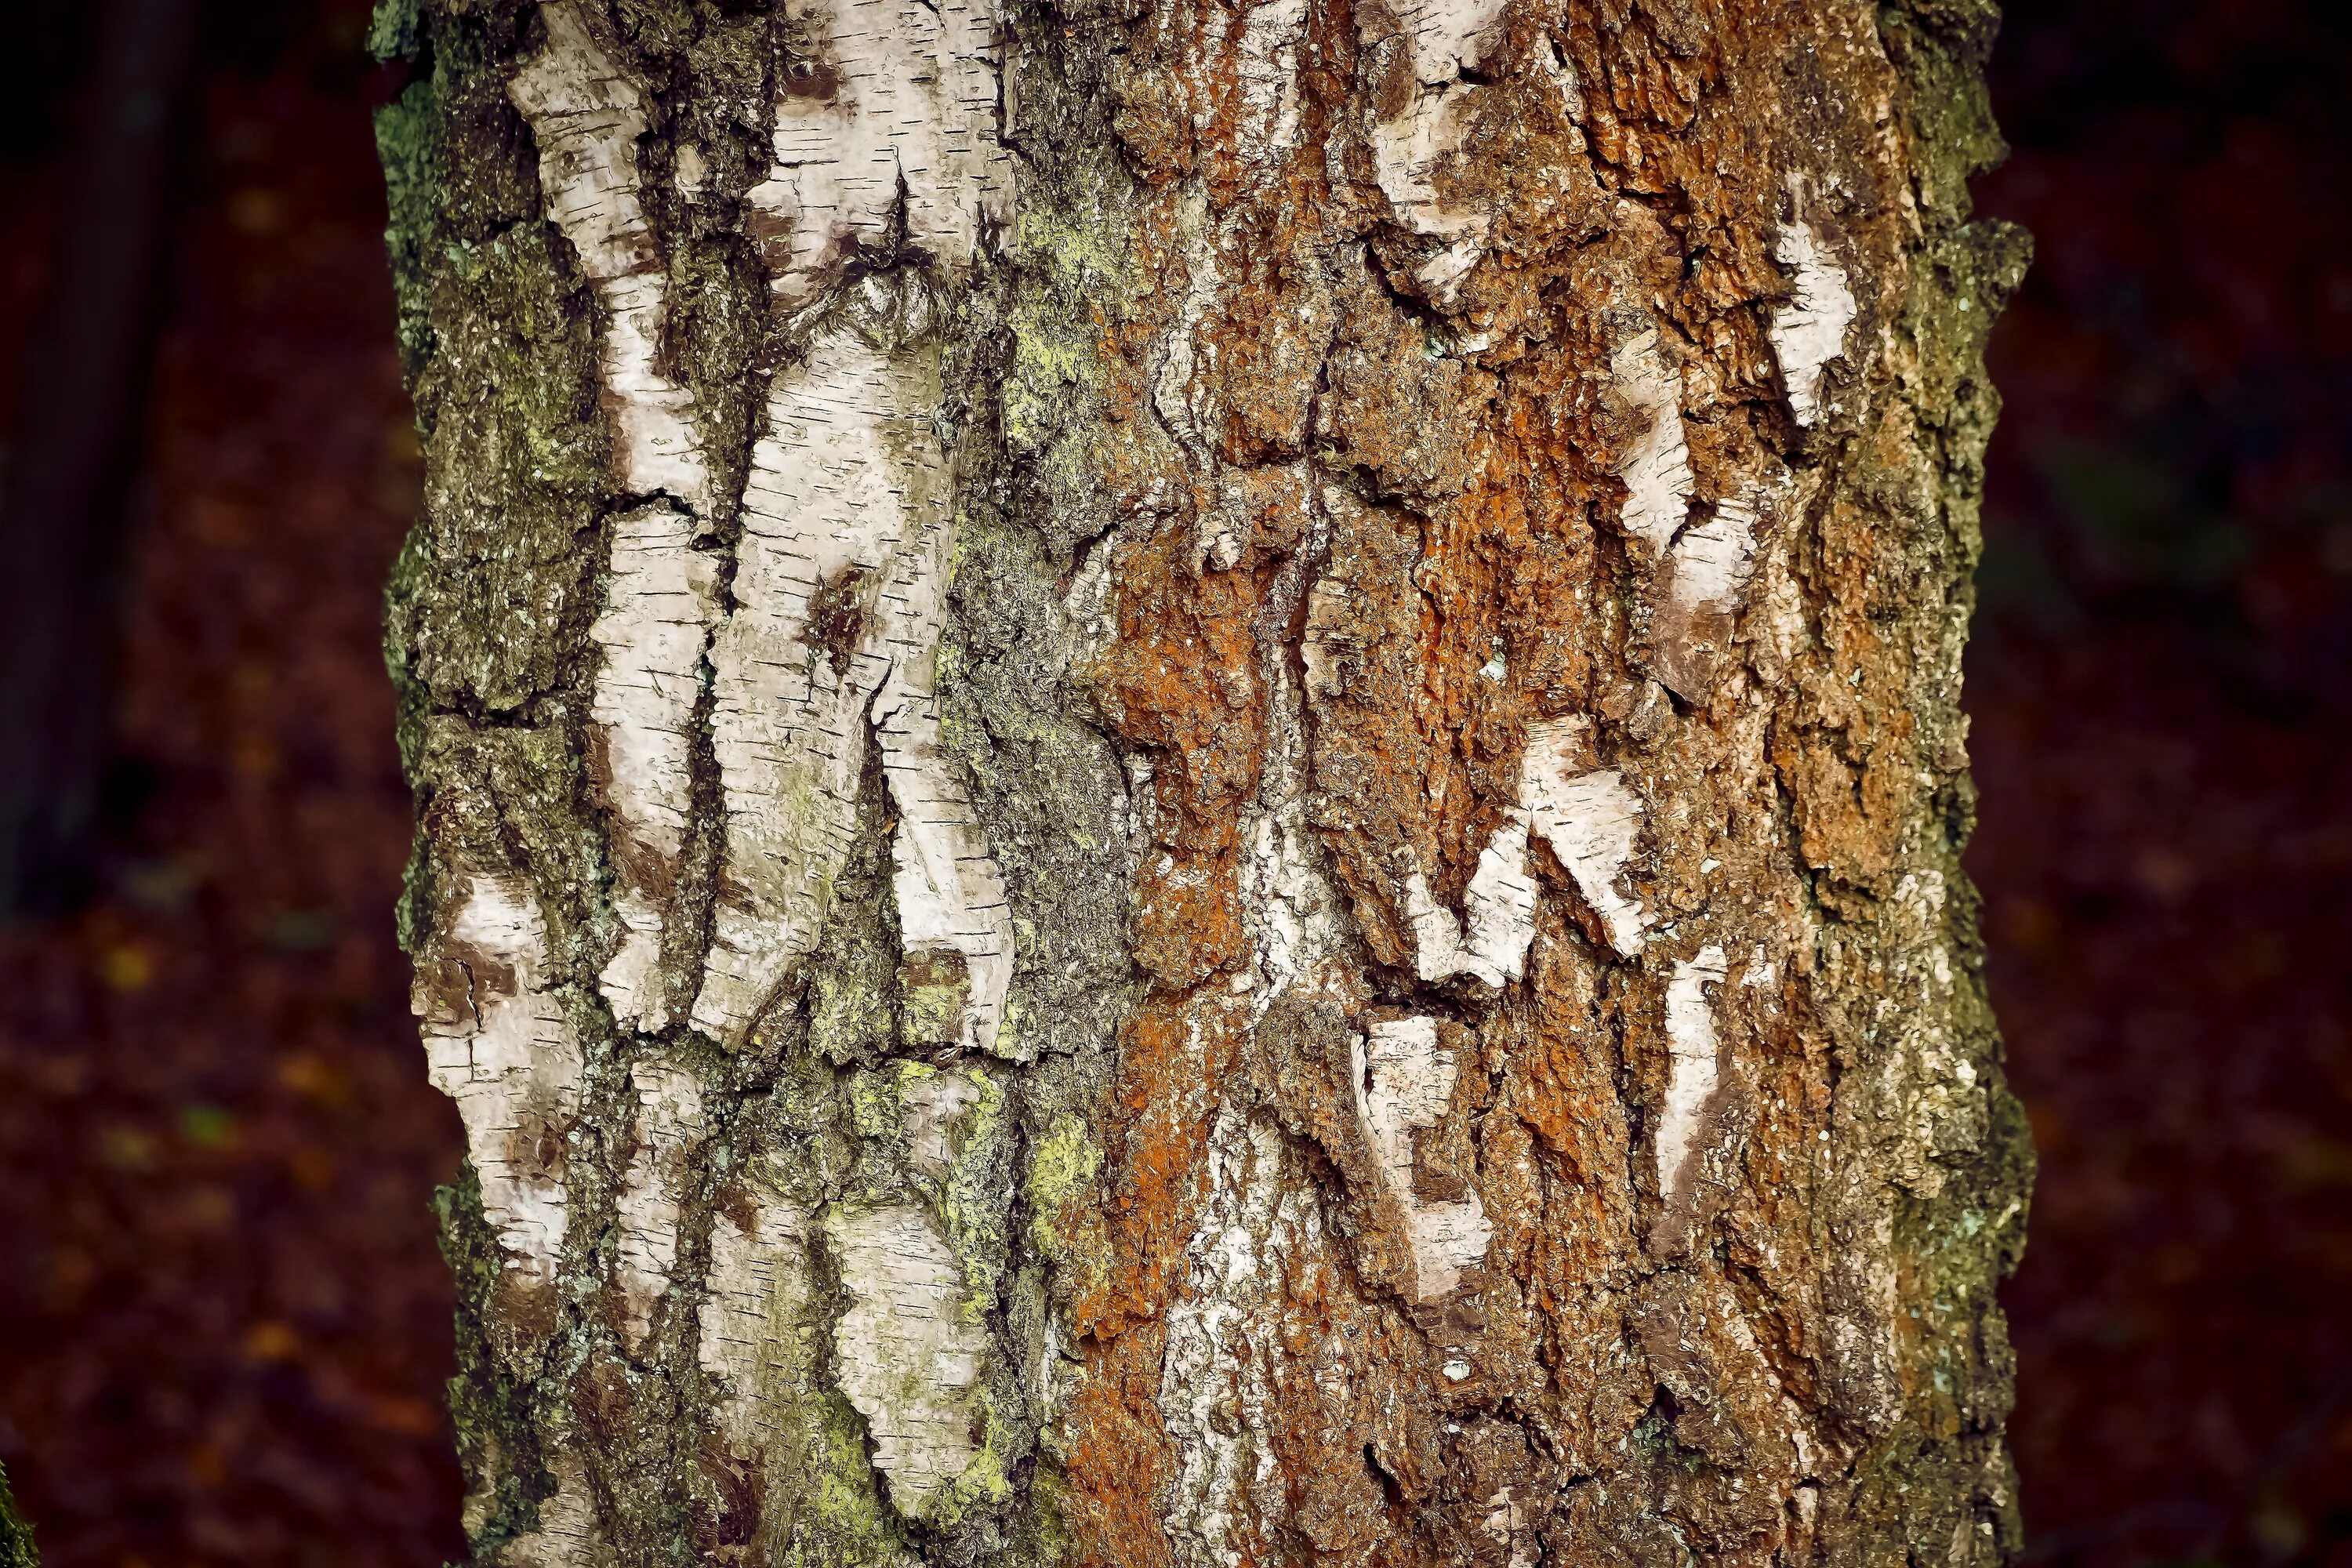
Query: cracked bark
1189	778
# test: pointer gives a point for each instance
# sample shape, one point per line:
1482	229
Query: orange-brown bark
1381	518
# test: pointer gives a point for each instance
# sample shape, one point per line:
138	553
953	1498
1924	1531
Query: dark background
223	1321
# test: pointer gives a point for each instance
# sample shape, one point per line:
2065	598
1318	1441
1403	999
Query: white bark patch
1506	1524
1289	905
886	133
587	118
1714	557
669	1125
892	120
1655	464
1707	572
567	1536
1268	71
1443	39
1810	330
1590	816
1490	943
910	1361
1260	1238
750	1342
1691	1042
505	1053
660	602
840	582
1404	1080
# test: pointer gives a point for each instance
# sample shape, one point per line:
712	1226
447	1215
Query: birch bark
1189	778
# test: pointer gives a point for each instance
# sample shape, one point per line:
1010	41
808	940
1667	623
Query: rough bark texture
1191	782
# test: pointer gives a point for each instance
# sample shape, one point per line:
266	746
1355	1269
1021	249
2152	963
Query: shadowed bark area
1190	781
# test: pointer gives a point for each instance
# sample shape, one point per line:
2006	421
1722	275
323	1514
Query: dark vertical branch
84	380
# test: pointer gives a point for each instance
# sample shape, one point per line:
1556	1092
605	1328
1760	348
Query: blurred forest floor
223	1321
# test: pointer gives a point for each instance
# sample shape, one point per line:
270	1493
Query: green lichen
490	1400
841	1520
1063	1166
395	30
15	1535
852	1005
976	1200
981	1493
407	141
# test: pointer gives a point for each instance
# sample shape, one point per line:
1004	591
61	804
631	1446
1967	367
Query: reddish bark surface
223	1322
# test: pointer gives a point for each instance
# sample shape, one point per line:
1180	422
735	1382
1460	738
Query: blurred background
223	1321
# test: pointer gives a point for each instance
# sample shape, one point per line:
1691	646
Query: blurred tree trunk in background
74	447
1190	778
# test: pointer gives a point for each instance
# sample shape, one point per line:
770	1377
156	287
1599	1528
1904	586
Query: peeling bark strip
589	118
1190	783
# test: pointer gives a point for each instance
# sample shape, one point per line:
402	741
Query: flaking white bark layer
1490	943
1712	559
1272	35
1404	1081
507	1055
654	1186
1590	816
588	116
1692	1045
750	1342
1706	572
887	135
1809	332
1290	908
909	1360
1260	1238
1444	39
1655	464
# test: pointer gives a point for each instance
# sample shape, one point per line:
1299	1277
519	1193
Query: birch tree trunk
1189	778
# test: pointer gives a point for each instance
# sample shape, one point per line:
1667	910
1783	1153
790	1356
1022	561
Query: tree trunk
1191	782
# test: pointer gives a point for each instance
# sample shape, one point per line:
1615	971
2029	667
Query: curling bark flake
1809	332
1656	465
1241	845
588	118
